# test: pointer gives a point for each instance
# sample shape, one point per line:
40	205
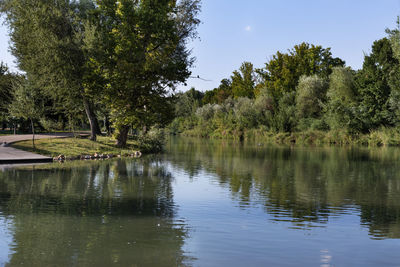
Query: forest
303	95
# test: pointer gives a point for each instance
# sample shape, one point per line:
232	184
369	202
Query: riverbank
381	137
74	148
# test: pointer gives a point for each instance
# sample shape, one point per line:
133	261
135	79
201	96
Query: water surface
207	203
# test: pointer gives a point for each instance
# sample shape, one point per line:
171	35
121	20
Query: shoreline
68	149
377	138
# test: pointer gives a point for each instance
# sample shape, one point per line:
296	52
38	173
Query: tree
310	96
27	103
245	113
188	102
219	94
145	55
243	81
341	99
372	83
282	73
48	40
394	75
7	80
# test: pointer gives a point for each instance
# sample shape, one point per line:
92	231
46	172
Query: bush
153	141
205	112
311	92
245	112
51	125
285	119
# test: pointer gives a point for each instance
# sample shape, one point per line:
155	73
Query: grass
6	132
380	137
72	147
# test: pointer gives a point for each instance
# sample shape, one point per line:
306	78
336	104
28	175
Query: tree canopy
282	73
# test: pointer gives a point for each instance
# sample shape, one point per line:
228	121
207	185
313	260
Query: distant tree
284	118
310	96
341	99
27	103
394	38
7	79
245	113
209	97
219	94
373	84
282	73
187	103
394	76
244	81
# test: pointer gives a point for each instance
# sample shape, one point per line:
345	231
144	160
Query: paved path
12	155
8	139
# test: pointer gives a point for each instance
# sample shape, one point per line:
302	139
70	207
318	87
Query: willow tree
144	55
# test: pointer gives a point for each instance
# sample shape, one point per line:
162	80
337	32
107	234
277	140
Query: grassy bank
72	147
381	137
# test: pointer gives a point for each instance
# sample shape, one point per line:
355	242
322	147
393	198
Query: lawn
75	146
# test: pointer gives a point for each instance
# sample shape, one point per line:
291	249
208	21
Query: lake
206	203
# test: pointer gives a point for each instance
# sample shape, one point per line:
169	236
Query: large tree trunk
94	124
122	135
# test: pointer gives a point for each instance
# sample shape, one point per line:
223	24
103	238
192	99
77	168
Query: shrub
311	92
245	112
153	141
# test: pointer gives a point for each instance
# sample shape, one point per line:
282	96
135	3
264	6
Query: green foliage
48	41
219	94
245	113
243	81
7	80
51	125
153	141
27	101
144	44
283	71
241	84
264	106
310	96
285	118
373	85
188	102
341	104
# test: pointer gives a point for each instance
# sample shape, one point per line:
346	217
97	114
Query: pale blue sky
233	31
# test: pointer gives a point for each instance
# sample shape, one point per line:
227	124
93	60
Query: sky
234	31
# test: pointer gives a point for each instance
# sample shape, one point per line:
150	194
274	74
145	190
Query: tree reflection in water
303	184
124	212
72	215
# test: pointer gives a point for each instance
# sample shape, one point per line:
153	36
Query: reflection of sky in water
5	240
257	210
226	233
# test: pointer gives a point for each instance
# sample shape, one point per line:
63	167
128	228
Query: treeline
88	60
305	94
